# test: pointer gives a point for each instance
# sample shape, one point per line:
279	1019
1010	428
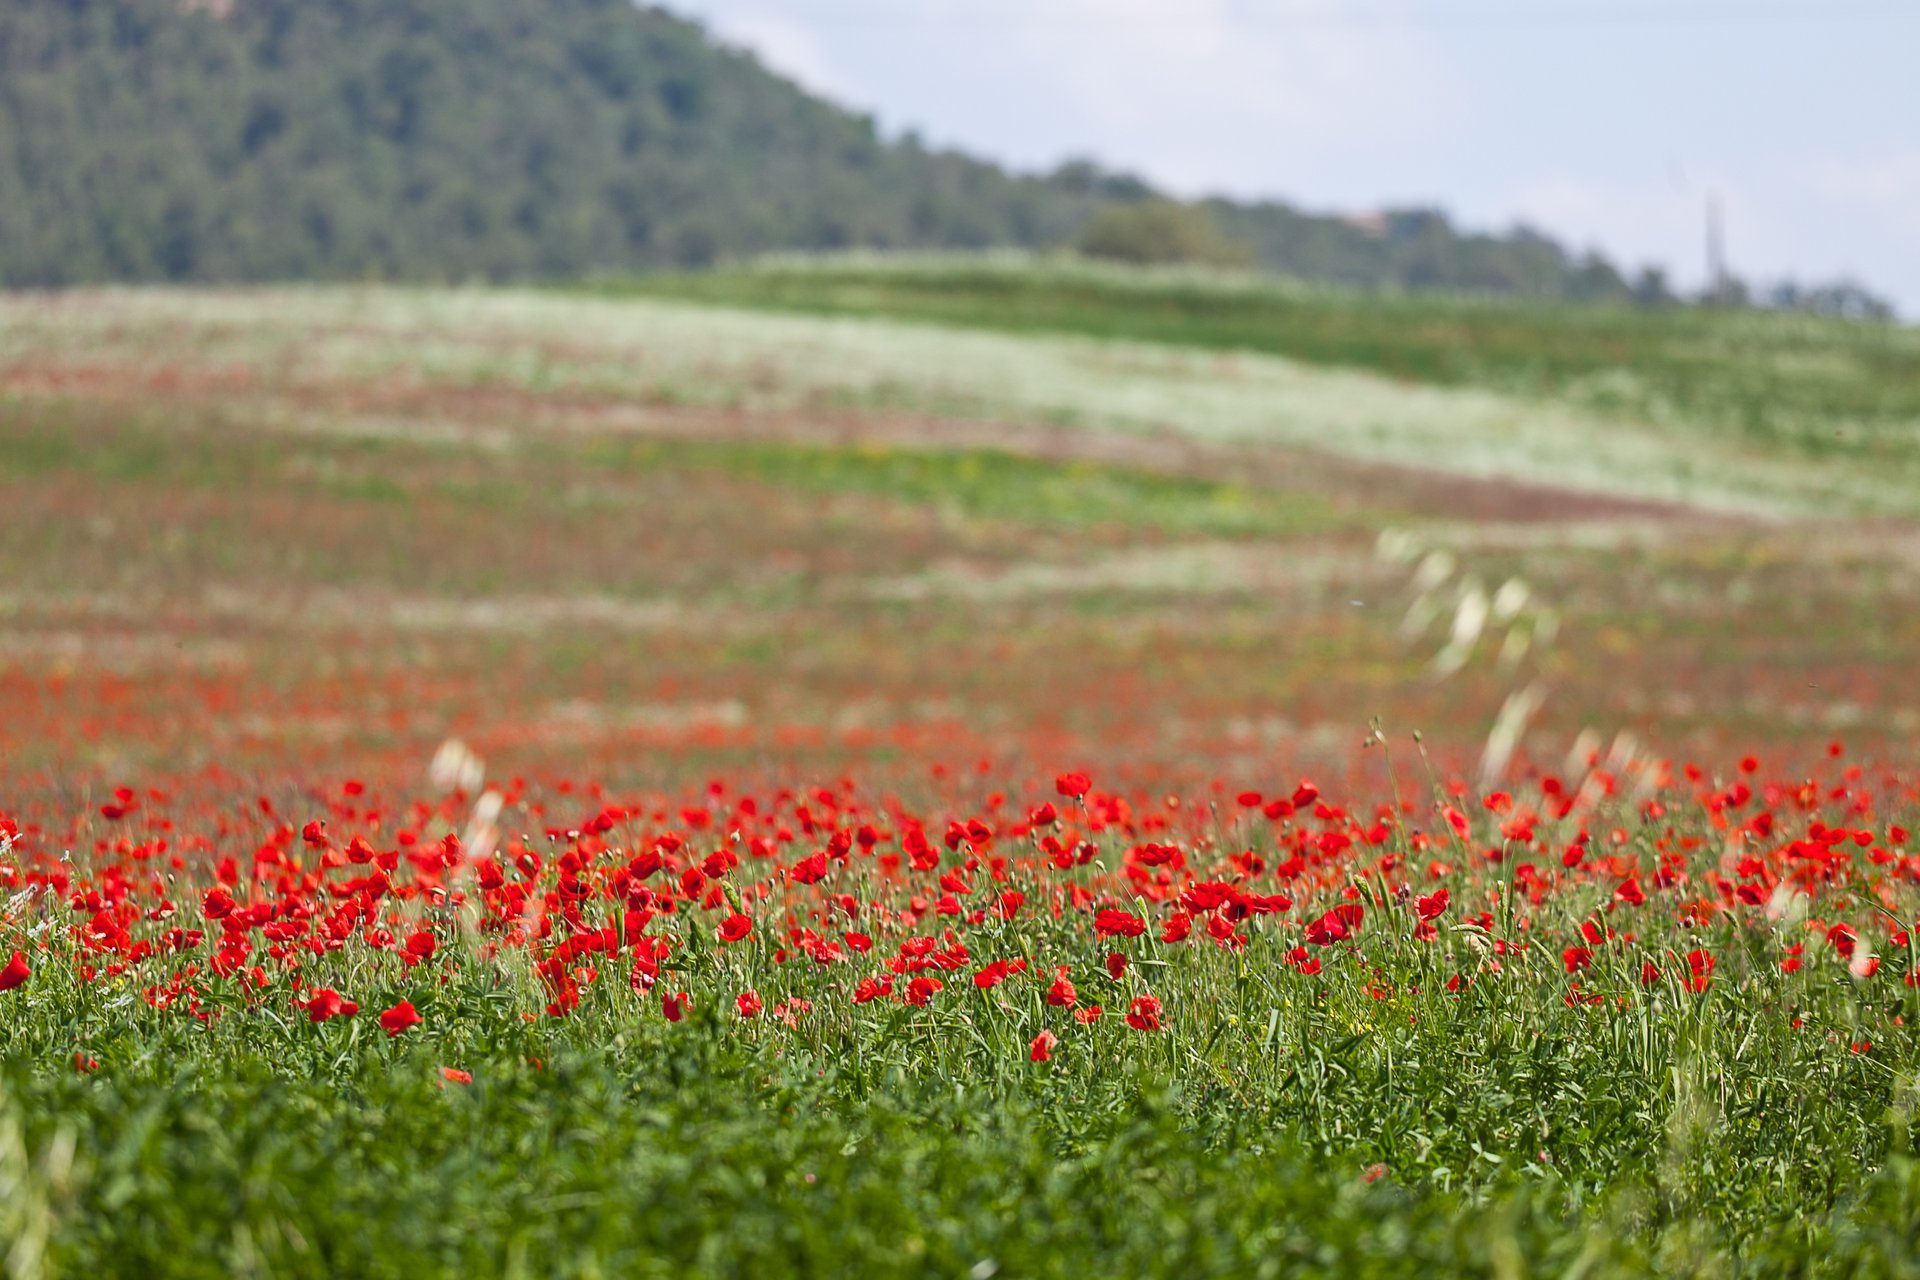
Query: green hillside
222	140
1809	385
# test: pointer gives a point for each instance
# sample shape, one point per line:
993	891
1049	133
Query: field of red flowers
1656	1006
484	828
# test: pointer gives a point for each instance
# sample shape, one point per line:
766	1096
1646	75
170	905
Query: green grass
992	484
687	1156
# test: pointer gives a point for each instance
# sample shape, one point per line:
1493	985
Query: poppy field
533	785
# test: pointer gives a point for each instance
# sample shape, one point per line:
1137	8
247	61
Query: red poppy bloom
1073	785
1061	994
16	972
735	927
1327	930
399	1018
748	1003
1144	1015
1042	1048
1576	958
1116	965
1087	1016
456	1075
923	989
1110	923
1431	906
989	976
327	1003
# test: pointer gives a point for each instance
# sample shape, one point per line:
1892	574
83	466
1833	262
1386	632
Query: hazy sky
1605	122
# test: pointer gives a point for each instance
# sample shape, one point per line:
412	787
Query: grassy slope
670	353
1814	388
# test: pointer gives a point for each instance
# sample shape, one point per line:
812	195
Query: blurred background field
808	513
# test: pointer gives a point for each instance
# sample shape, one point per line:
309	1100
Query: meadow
980	768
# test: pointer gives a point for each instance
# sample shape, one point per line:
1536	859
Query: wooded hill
541	139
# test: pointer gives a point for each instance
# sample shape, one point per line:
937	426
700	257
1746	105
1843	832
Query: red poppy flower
735	927
16	972
1116	965
1110	923
1700	963
1061	994
989	976
1088	1015
1329	929
1431	906
399	1018
1073	785
923	989
1144	1015
456	1075
1041	1049
748	1003
327	1003
1576	958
